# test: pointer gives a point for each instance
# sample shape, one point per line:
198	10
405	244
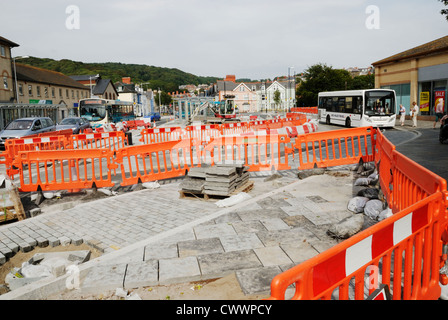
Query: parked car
154	116
26	127
77	124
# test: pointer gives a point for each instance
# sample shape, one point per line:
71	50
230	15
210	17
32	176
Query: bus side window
334	106
341	105
349	104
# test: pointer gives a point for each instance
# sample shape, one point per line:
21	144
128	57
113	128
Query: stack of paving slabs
194	181
224	179
220	180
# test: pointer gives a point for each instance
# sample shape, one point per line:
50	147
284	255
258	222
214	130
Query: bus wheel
348	123
327	121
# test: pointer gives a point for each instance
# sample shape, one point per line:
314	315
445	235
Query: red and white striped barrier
363	252
310	126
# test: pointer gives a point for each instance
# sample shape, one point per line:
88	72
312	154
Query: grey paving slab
161	251
276	237
272	256
274	224
299	252
216	230
141	274
257	281
250	226
241	242
179	270
218	265
199	247
262	214
106	277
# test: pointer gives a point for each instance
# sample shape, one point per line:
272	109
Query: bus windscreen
379	103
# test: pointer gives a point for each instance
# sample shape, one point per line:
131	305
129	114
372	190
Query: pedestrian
414	111
402	114
439	111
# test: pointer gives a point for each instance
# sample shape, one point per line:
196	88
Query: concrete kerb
43	288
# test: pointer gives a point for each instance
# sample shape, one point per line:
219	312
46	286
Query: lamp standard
15	75
91	88
289	87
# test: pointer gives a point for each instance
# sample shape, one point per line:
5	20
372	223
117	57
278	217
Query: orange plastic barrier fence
406	246
65	169
334	148
14	146
259	152
156	161
203	133
235	128
403	181
312	110
113	140
142	123
158	135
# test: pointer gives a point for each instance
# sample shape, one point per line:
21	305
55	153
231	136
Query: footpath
154	237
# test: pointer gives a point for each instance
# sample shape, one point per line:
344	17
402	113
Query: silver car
77	124
25	127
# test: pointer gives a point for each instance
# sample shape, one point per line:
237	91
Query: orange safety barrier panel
131	125
403	181
158	135
14	146
142	123
259	152
66	133
157	161
334	148
112	140
312	110
65	169
406	246
203	133
235	128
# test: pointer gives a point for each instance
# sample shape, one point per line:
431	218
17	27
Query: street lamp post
289	86
15	75
91	88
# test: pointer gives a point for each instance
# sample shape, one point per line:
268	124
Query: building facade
419	74
259	96
40	86
7	91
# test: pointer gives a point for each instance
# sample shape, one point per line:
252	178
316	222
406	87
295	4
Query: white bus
101	111
358	108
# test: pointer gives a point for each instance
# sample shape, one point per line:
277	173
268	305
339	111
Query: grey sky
249	38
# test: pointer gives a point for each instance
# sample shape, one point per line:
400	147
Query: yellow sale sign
424	101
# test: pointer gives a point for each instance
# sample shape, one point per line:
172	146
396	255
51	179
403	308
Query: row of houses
254	96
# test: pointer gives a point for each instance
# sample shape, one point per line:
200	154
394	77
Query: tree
318	78
444	12
277	97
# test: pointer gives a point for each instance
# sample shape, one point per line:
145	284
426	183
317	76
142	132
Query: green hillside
167	79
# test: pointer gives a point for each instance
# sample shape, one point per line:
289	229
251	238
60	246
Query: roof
230	86
85	77
101	86
34	74
436	46
8	42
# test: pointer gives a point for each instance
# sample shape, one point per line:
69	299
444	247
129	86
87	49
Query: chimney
126	80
